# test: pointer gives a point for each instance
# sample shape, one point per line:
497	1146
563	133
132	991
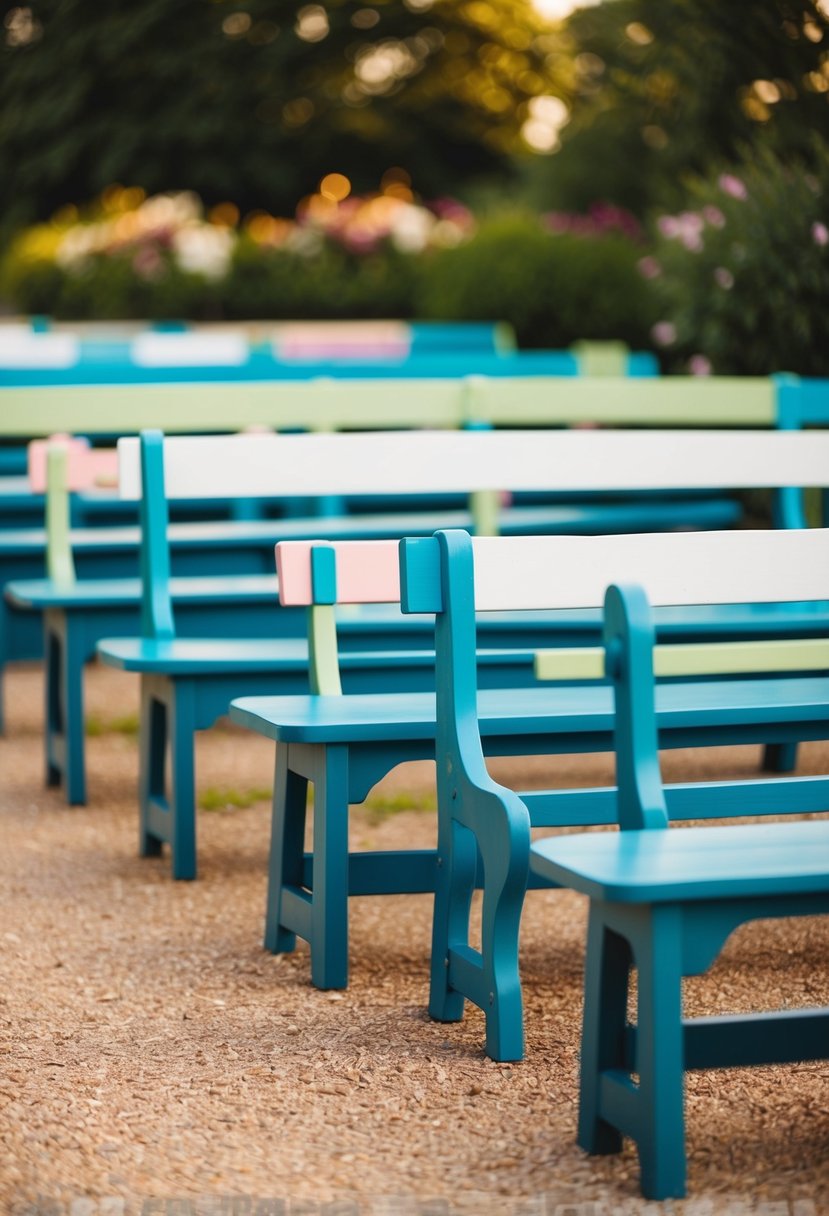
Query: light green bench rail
378	403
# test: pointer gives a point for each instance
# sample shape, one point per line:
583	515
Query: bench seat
724	710
41	594
705	863
198	656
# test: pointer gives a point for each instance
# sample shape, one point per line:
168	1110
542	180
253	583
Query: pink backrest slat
86	468
368	572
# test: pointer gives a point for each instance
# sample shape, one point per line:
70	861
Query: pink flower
664	333
714	216
729	184
699	365
820	233
724	278
669	226
148	263
692	241
649	268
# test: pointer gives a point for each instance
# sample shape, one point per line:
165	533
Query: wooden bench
79	613
665	901
454	576
186	683
738	402
363	737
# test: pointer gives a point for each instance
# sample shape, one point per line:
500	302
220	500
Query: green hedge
553	288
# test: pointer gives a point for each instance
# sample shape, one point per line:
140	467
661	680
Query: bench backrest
456	576
86	468
318	575
335	404
423	462
630	662
57	466
426	462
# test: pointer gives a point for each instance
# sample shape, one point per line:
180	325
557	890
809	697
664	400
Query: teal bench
78	613
454	576
187	683
344	745
663	902
610	401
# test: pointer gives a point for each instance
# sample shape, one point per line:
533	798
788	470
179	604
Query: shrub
332	283
742	275
554	287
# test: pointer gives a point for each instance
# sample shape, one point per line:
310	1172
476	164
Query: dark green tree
253	101
665	91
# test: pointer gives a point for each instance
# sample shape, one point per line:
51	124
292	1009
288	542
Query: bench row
342	744
77	614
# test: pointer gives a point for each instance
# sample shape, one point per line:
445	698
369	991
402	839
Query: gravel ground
153	1059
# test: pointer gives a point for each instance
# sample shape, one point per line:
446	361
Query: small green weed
380	807
220	798
126	725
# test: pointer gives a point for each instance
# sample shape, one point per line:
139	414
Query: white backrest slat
20	349
389	462
215	349
536	572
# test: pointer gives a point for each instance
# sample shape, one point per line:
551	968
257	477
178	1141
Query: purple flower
820	233
148	263
724	277
714	216
669	226
729	184
664	333
699	365
649	268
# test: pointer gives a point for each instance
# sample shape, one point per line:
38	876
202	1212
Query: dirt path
153	1059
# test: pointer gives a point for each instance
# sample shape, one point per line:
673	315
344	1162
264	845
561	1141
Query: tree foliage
254	101
663	92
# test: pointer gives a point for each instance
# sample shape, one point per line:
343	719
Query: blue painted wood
666	902
437	575
382	730
261	365
247	546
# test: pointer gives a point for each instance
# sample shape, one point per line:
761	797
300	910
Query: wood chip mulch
154	1059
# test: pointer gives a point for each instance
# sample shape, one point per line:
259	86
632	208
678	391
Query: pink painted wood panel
86	468
368	572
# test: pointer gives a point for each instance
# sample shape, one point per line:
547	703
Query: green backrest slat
693	659
601	358
60	565
671	401
323	658
334	404
326	404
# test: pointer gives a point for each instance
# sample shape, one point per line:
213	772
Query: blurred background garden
648	171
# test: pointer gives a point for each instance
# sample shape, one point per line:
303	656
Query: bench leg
505	884
152	800
168	729
64	736
285	869
780	757
329	908
455	882
53	708
652	1112
4	657
660	1056
183	781
606	983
